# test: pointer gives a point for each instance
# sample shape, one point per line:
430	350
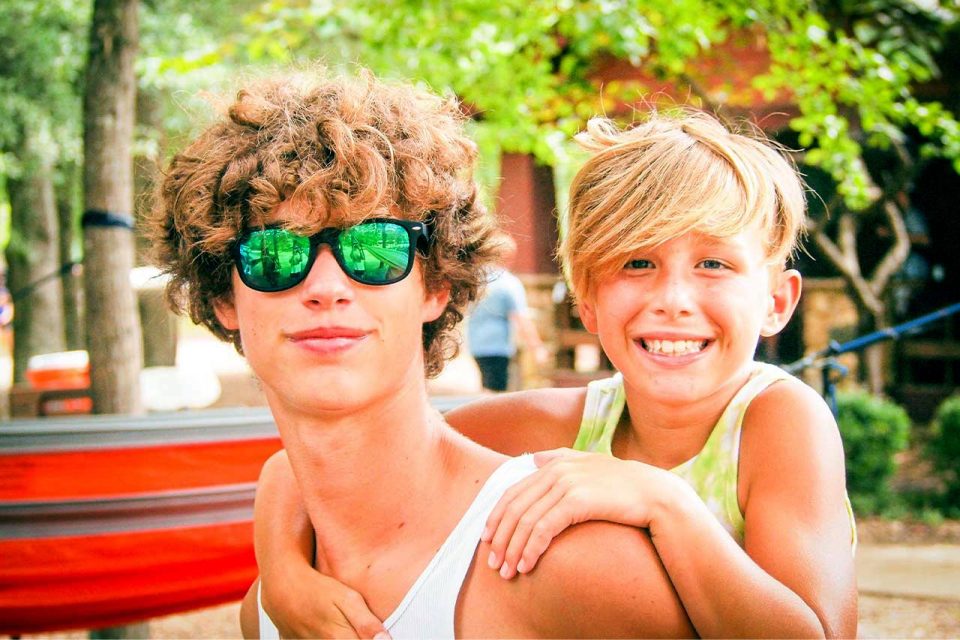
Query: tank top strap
428	608
713	471
726	433
601	414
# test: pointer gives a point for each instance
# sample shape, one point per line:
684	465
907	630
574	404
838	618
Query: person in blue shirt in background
499	320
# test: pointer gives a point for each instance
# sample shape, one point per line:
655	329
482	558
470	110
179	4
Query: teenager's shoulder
522	421
601	579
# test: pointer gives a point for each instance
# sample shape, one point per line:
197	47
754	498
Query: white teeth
673	347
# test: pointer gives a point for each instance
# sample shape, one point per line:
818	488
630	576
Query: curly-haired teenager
330	228
677	239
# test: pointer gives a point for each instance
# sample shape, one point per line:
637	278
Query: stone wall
827	313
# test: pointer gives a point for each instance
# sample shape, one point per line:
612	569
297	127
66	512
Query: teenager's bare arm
599	580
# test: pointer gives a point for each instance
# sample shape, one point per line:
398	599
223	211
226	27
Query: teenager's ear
784	296
588	314
226	313
434	302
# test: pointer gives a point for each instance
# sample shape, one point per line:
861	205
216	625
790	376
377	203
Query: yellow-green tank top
713	471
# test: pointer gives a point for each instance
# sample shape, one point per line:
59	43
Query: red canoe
107	520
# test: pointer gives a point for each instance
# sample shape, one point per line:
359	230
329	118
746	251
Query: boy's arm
797	575
523	421
302	602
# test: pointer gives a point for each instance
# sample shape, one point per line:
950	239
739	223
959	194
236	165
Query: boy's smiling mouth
672	347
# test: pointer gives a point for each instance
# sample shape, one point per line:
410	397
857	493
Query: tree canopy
527	67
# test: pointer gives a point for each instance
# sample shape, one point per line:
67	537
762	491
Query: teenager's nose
326	285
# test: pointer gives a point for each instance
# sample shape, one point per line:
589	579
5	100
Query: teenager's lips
328	333
328	340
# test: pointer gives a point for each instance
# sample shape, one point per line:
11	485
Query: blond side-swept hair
668	175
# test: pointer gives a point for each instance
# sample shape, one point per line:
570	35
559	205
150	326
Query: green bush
874	430
944	446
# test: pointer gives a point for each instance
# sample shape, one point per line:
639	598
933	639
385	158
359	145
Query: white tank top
428	608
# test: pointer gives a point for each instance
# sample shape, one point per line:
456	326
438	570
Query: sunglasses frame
417	233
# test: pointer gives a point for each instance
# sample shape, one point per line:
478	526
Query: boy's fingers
547	528
507	500
528	523
510	513
541	458
368	627
496	514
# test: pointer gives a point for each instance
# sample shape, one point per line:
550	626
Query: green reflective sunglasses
379	251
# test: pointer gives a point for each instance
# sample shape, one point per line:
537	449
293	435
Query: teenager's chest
386	576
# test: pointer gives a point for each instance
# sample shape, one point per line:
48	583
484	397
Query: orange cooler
61	371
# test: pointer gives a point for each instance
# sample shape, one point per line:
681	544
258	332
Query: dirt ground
880	617
894	614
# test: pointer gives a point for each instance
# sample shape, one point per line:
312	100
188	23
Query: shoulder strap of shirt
601	415
428	608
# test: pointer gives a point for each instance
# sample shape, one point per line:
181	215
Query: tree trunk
875	361
67	202
869	294
113	328
157	321
33	256
112	320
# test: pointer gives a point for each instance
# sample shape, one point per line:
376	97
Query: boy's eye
711	263
638	263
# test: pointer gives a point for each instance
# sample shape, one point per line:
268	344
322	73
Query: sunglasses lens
274	259
376	252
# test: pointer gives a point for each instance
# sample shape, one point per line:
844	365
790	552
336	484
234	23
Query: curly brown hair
342	149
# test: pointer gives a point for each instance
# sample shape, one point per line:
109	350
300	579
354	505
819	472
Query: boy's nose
675	297
326	285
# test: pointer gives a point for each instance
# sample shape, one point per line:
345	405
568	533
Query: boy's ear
434	302
226	313
588	314
784	296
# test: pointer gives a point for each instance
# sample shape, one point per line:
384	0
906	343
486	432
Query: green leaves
42	48
528	68
852	81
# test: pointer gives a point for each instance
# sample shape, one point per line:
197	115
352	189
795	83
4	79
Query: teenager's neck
364	475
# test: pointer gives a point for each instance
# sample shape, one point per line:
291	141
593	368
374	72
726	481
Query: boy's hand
570	487
333	610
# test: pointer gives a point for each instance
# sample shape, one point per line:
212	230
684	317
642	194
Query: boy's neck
668	434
